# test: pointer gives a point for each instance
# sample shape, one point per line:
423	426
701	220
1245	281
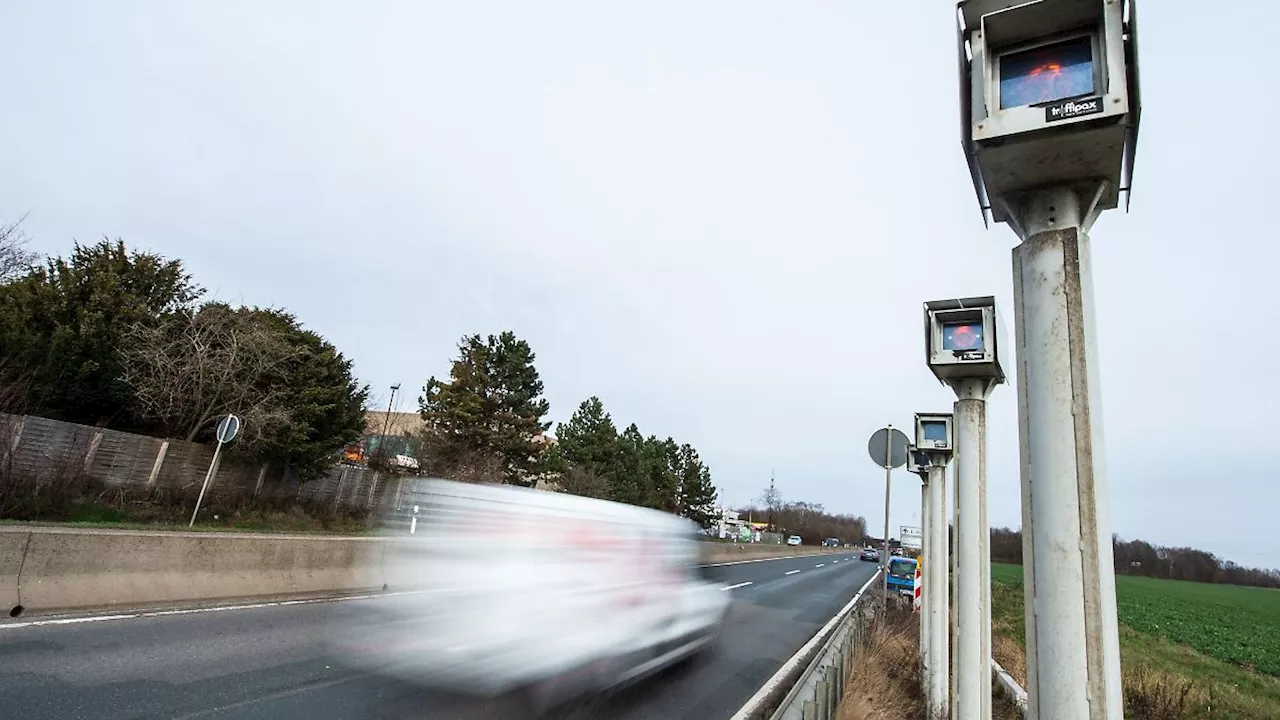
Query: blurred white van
550	595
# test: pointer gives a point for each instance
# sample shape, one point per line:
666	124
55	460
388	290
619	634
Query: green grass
1238	625
1225	639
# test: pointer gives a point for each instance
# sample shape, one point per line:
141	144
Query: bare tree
196	366
15	258
771	499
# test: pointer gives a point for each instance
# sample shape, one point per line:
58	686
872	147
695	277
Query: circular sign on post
228	428
881	446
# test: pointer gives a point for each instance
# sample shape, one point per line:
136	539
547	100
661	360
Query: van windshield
902	569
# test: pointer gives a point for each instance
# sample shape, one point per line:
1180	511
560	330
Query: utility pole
386	426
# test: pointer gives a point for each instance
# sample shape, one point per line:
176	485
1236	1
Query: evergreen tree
697	491
61	327
662	463
589	440
630	480
490	410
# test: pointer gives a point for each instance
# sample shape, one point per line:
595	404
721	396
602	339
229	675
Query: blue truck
902	576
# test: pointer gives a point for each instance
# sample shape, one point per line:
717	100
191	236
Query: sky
720	217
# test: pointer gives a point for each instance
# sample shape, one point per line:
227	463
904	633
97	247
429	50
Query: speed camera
1049	96
918	461
933	432
963	339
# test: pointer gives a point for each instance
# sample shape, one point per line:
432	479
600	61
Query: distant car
870	555
896	552
831	542
793	540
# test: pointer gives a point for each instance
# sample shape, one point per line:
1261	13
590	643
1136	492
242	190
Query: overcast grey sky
720	217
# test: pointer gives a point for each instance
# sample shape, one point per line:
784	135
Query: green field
1239	625
1224	639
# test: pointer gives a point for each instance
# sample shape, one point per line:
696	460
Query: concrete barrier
730	552
82	569
57	569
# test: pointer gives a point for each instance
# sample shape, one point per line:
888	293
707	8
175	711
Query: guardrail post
833	691
820	699
838	671
810	711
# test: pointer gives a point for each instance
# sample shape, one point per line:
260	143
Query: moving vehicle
831	542
508	592
793	540
902	576
869	555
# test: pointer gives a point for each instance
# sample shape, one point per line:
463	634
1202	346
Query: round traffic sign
890	444
228	428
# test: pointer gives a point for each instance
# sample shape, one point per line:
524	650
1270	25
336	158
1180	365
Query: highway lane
276	661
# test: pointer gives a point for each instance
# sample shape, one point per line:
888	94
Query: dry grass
1011	657
1154	695
884	683
1149	694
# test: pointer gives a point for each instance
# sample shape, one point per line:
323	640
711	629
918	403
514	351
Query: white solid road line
793	572
735	587
196	611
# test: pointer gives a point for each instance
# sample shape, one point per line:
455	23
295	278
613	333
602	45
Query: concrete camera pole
926	629
1073	644
936	592
973	539
953	598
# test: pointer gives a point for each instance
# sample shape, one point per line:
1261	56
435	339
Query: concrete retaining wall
45	569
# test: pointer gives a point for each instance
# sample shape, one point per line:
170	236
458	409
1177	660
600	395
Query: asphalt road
275	662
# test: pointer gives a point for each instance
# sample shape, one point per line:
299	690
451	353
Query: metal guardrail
817	692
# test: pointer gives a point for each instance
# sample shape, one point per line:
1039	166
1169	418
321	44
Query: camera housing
934	432
963	339
1048	96
918	461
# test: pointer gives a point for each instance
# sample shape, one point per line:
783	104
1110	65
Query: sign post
888	449
228	428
